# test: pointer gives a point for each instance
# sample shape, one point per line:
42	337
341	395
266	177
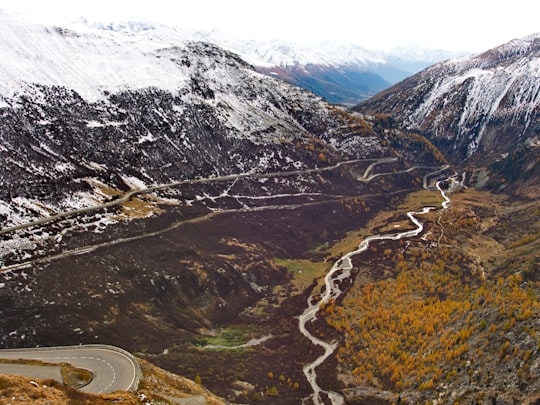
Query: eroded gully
341	270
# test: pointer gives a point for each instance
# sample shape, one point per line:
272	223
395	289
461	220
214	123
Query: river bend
340	271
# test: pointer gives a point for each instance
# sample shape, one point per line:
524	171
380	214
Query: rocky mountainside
87	116
481	109
341	84
82	109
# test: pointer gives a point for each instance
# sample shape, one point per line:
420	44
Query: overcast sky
469	25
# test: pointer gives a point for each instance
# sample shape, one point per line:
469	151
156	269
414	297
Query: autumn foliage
435	318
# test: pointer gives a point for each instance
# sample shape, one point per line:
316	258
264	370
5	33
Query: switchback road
114	369
132	193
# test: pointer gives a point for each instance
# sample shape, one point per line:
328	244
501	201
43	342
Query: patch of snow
64	167
97	124
146	138
94	124
134	183
32	206
178	108
95	166
48	150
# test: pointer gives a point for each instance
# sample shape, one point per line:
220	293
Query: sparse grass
104	189
136	207
73	377
140	208
229	337
526	240
162	387
347	244
319	247
423	198
76	377
304	271
28	362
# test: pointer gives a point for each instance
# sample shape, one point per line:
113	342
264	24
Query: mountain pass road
114	369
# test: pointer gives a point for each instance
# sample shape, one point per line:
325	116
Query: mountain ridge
327	68
481	110
266	53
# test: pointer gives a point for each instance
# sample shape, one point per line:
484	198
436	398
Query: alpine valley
163	195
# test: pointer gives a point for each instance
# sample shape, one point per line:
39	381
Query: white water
341	270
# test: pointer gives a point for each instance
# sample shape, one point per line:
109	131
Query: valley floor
450	315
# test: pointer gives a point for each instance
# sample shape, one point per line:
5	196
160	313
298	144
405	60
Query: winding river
340	271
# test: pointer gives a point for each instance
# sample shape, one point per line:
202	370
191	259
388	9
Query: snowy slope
88	62
258	53
274	53
128	108
98	58
476	106
329	70
342	73
279	53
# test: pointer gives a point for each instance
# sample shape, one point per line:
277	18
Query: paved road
114	369
128	195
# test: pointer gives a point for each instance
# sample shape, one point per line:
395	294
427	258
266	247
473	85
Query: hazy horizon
459	26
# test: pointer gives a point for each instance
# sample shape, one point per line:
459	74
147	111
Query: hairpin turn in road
113	368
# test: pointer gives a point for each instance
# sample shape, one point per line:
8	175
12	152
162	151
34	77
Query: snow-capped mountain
482	105
258	53
343	73
80	108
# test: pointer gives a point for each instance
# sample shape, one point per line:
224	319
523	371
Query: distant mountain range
342	73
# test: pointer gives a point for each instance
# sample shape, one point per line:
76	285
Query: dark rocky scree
194	275
169	290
